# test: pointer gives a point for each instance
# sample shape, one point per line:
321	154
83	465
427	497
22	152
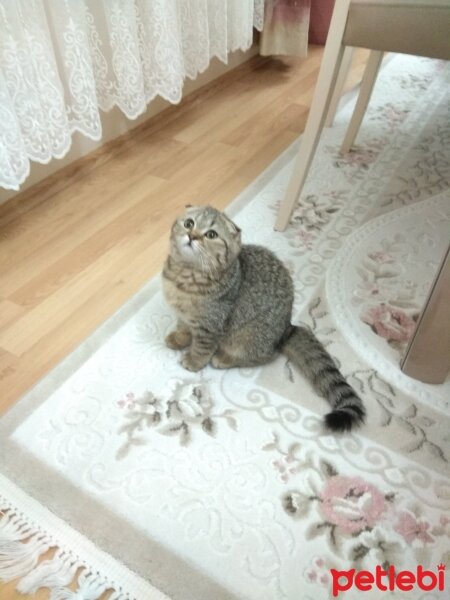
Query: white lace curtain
61	61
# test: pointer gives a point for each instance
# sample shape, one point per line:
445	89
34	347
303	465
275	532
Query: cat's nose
193	235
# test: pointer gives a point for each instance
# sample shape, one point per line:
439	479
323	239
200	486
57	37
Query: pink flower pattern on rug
355	163
381	257
310	217
390	299
358	521
411	528
318	571
189	407
351	504
390	116
392	324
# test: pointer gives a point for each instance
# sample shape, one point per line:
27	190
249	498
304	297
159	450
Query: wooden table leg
427	357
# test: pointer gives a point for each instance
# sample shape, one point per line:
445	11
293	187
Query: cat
234	306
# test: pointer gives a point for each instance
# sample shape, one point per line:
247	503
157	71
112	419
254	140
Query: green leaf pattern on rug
310	218
355	163
189	406
413	422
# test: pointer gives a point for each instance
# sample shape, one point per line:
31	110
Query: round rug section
378	284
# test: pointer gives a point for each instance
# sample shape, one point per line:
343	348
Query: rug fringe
53	574
90	587
22	546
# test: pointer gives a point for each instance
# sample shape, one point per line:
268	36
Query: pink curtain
319	21
286	25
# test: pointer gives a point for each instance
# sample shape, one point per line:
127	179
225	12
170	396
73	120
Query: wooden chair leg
340	82
331	62
367	84
427	357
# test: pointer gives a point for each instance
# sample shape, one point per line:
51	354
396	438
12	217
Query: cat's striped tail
306	352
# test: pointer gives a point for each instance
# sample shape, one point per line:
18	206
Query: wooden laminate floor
77	246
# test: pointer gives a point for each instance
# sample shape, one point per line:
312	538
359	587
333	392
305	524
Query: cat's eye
188	224
211	234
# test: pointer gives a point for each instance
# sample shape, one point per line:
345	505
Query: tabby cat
234	306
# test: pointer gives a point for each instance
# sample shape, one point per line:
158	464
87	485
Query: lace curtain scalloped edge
63	63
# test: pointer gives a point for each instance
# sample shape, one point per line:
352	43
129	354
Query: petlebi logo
388	580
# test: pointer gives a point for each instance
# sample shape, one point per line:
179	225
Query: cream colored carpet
223	485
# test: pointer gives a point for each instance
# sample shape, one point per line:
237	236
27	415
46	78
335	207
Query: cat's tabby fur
234	305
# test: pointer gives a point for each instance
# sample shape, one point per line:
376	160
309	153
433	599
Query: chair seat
417	27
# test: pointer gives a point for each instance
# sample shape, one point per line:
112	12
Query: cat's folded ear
232	226
193	207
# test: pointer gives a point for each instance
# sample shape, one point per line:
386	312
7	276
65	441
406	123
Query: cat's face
205	238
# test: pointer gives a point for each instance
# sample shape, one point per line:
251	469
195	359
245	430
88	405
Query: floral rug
156	483
380	281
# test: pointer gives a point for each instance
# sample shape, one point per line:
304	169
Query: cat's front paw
222	361
192	363
177	340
